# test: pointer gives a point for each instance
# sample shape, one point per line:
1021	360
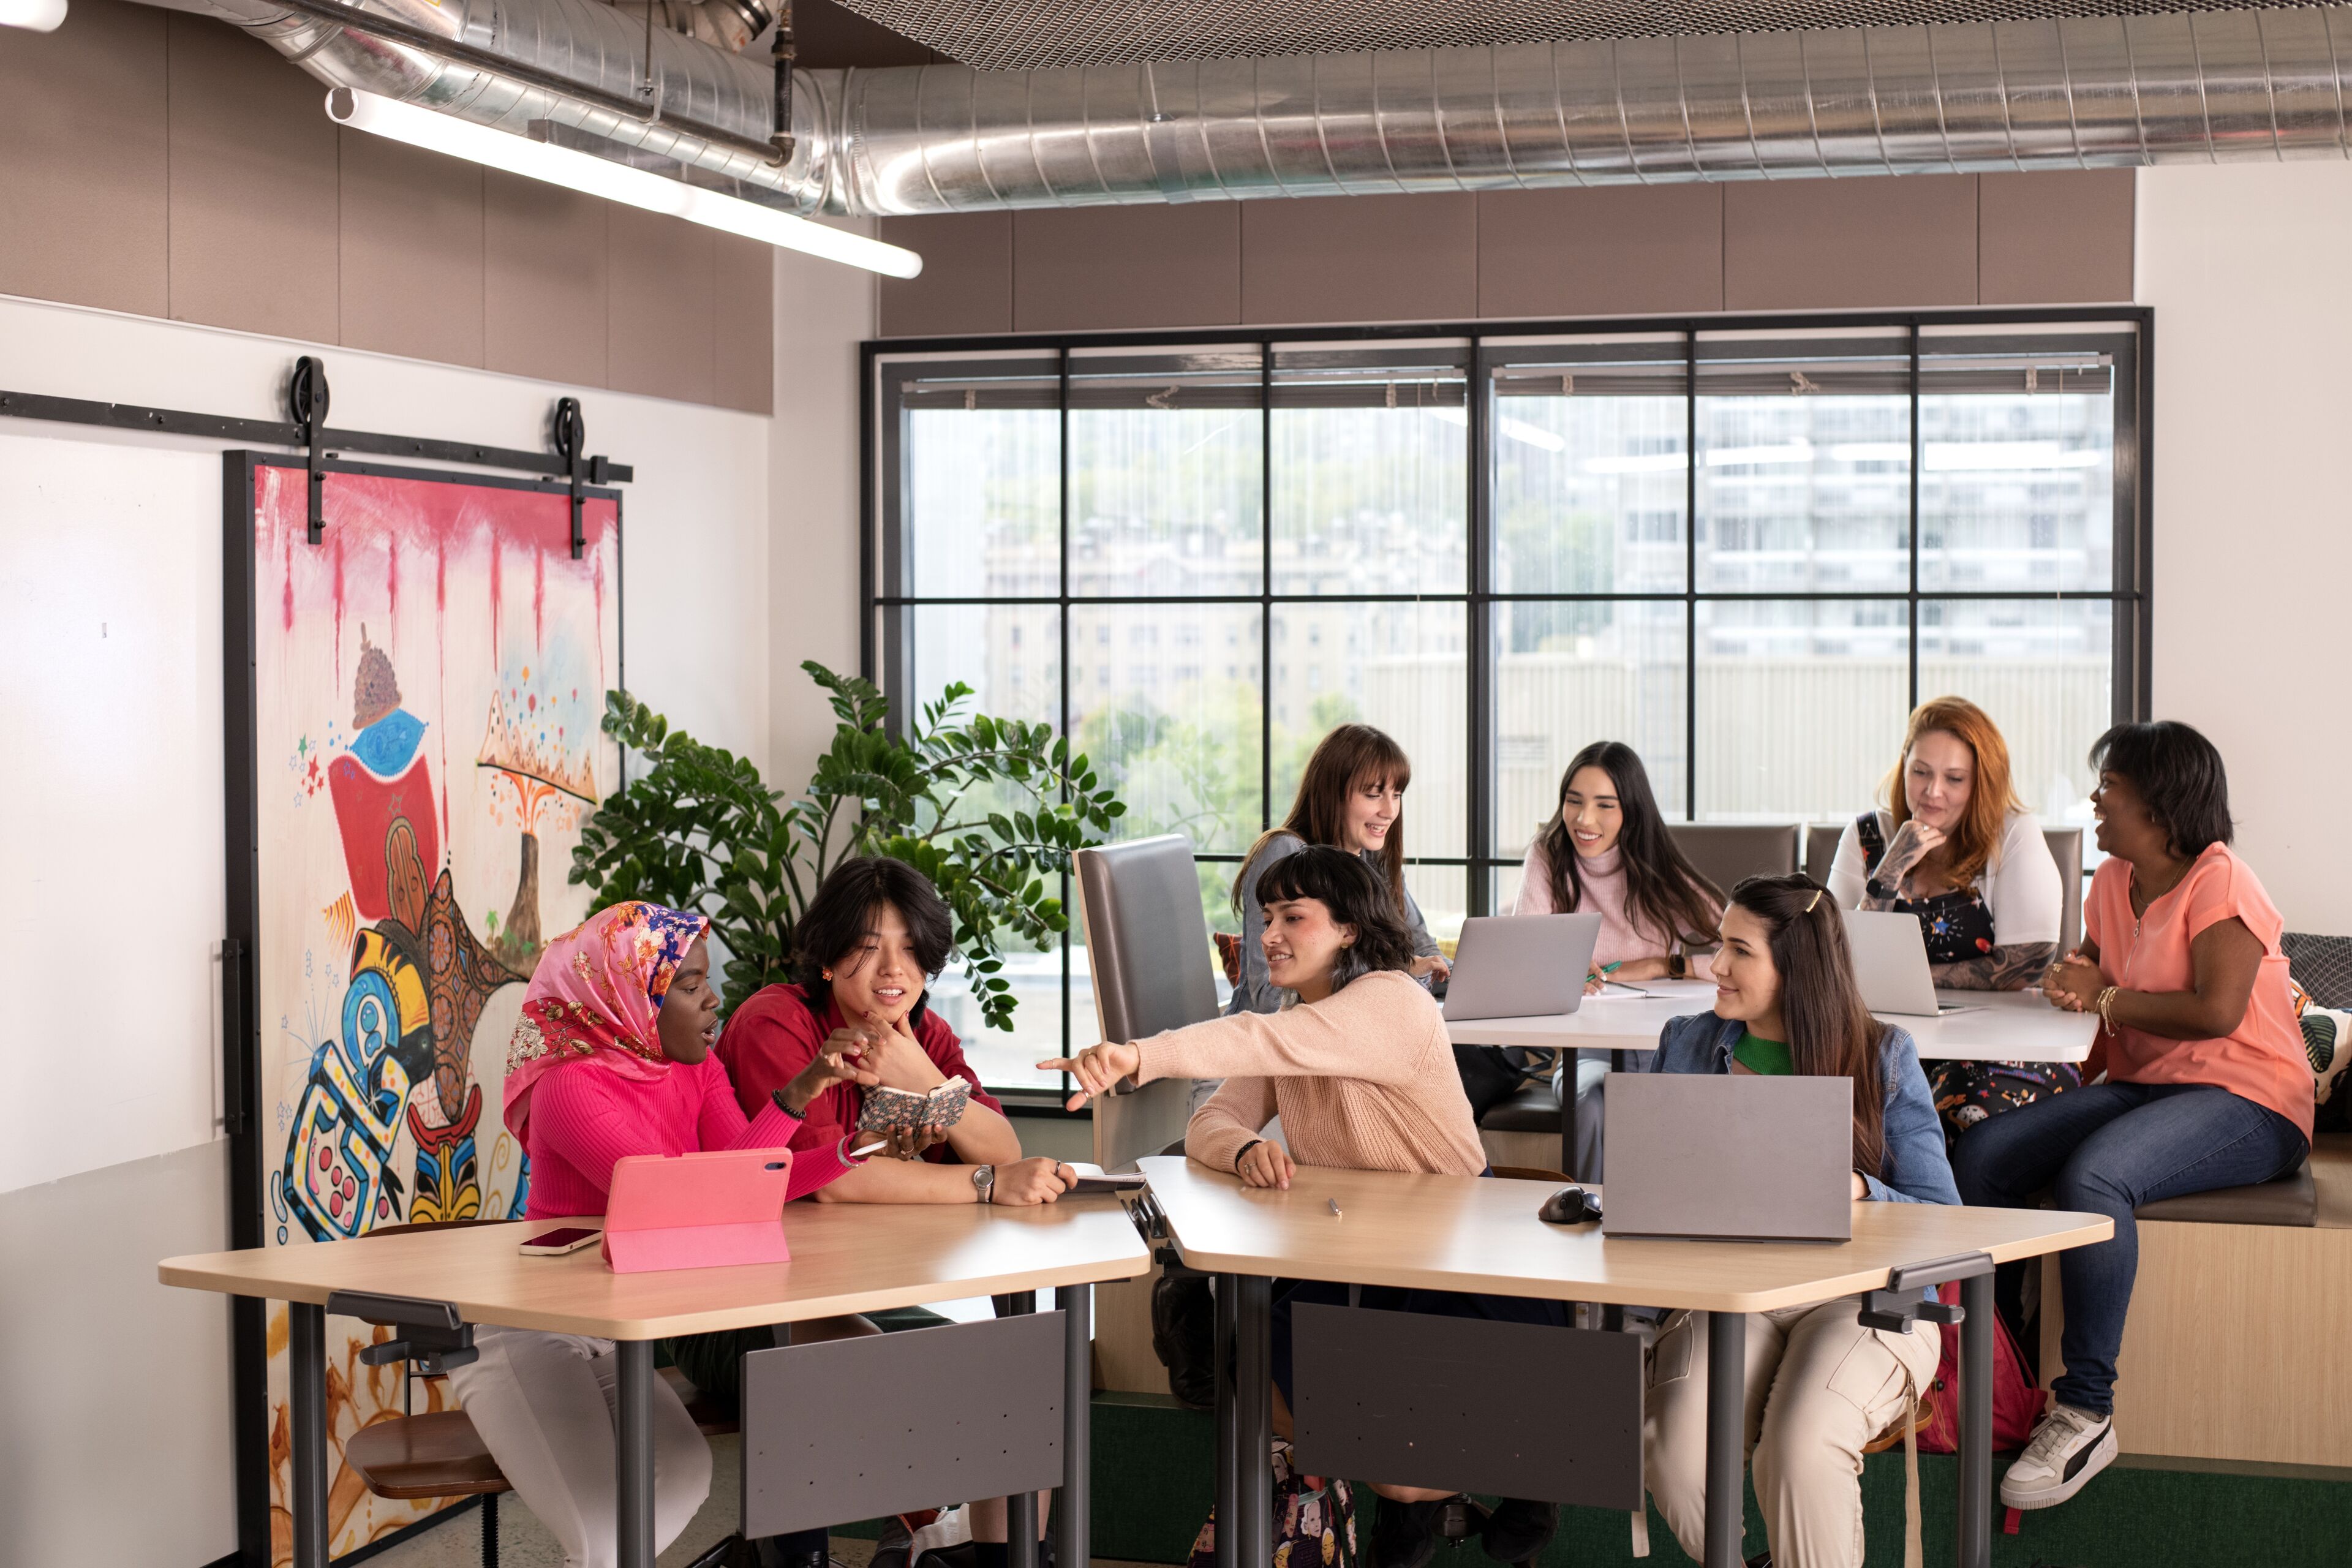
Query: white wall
2245	266
110	827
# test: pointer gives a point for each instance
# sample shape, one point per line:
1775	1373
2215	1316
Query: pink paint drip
498	601
288	538
539	601
391	588
336	535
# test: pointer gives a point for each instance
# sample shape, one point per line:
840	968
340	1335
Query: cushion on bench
1534	1108
2292	1200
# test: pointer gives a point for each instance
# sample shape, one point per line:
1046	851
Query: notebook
886	1108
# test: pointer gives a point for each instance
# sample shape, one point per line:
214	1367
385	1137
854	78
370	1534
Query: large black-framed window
1747	546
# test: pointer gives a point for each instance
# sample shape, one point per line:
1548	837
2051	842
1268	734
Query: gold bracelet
2106	1001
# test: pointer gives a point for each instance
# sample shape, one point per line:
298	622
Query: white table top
2001	1025
1481	1233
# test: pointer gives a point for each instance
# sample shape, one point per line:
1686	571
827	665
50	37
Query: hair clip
1814	899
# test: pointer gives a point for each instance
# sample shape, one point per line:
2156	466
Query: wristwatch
983	1181
1878	889
1678	965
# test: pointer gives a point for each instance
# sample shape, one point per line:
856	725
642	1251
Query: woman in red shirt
2208	1084
868	946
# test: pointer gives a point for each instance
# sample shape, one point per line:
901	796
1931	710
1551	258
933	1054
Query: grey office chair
2066	848
1821	849
1728	852
1148	944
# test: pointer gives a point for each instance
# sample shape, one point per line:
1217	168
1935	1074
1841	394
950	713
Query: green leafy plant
989	809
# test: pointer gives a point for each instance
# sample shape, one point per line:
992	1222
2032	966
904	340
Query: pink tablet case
697	1211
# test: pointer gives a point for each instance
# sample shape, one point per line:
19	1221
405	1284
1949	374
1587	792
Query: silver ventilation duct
2081	92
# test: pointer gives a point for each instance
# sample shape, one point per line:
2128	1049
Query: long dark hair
1345	887
1830	1033
847	902
2178	775
1344	760
1663	890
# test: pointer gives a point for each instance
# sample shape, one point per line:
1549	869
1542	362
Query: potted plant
989	809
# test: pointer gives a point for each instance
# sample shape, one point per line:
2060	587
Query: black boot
1519	1529
1406	1533
1184	1338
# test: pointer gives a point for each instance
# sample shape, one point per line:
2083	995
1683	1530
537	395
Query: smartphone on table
556	1242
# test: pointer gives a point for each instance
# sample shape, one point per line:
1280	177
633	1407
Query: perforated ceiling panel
1026	35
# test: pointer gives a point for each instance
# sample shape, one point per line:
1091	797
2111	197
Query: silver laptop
1520	966
1730	1157
1890	964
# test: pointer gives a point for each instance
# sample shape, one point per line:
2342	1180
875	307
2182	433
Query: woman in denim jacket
1820	1387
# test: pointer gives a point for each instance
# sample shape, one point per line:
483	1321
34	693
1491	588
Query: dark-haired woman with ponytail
1363	1074
1820	1387
1606	851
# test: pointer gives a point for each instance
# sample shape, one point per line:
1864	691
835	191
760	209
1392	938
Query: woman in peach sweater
1363	1074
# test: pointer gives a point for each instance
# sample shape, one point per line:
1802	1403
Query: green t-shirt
1759	1054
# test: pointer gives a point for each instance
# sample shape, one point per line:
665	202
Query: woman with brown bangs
1955	847
1350	797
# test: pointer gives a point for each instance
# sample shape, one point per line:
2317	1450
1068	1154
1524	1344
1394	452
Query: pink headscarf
596	998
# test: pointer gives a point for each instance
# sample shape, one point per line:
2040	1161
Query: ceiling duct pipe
2081	92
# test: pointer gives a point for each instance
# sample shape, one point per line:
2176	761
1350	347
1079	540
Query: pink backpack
2016	1403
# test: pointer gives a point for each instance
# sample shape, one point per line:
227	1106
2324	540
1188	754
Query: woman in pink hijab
612	1057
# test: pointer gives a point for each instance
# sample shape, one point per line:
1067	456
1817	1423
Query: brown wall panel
1361	259
83	160
966	283
2059	238
413	259
1795	244
663	306
1080	268
256	188
744	351
546	265
1603	250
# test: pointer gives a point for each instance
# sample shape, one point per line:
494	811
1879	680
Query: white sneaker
2067	1449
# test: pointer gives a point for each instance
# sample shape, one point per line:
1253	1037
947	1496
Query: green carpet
1155	1464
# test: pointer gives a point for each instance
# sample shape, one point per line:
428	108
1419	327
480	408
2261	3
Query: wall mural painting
428	683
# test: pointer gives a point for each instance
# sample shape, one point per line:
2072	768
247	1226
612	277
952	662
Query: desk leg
1976	1423
1726	1421
1073	1514
1021	1510
1229	1446
632	1446
306	1368
1254	1421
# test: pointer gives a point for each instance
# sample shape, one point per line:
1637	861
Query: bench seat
1534	1108
2292	1199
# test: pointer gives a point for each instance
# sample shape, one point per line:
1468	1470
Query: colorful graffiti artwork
430	607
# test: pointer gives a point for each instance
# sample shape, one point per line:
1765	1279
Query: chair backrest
1148	946
1727	852
2066	848
1821	849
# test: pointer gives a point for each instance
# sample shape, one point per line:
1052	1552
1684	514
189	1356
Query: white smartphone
556	1242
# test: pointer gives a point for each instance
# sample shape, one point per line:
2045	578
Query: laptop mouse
1570	1205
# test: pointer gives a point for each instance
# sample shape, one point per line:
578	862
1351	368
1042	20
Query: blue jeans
2107	1149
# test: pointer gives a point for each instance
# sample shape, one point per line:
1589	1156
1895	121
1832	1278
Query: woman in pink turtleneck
1606	851
612	1057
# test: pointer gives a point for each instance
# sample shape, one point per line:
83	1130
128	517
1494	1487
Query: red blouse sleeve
771	1038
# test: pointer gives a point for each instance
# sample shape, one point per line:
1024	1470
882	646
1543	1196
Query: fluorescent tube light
602	177
34	15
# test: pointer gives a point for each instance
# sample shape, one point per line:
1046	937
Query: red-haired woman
1955	847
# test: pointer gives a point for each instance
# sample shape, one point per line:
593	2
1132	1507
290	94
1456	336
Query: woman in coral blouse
2208	1084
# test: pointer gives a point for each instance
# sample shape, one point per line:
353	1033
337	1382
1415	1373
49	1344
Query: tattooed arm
2010	968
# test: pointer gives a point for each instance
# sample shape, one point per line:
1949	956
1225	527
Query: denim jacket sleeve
1916	1169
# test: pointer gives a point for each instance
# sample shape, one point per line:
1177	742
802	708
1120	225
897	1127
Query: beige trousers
1819	1388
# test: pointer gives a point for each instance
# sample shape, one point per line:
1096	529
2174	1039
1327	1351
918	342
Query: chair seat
1534	1108
2291	1200
431	1455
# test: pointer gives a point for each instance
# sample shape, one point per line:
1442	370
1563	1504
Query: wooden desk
2001	1026
846	1257
1480	1235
